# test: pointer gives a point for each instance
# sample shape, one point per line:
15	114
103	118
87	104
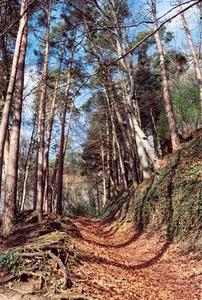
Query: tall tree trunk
145	154
35	181
59	164
104	199
59	177
49	135
126	140
109	151
63	140
53	185
5	166
10	196
114	133
25	181
60	167
27	169
155	134
197	68
98	201
47	146
6	152
41	120
147	159
11	85
166	90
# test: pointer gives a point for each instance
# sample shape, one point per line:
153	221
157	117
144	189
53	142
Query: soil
115	262
126	265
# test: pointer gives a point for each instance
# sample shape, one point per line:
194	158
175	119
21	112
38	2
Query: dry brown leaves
127	265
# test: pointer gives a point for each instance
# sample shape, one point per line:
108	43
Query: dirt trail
132	266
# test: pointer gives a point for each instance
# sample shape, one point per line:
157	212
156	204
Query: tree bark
64	140
27	169
104	199
11	85
126	140
41	121
10	197
47	146
166	90
59	177
145	154
114	133
196	63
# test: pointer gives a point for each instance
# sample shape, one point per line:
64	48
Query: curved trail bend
124	265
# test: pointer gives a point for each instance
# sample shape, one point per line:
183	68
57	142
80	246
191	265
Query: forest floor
104	261
125	265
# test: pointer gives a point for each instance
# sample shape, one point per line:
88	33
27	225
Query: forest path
132	266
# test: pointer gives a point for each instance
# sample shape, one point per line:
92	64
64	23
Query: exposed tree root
7	279
62	267
40	253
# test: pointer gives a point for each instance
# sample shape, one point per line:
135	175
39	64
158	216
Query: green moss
173	201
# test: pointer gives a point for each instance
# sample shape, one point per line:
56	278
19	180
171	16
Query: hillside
170	202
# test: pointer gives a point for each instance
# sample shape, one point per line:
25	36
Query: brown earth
113	262
126	265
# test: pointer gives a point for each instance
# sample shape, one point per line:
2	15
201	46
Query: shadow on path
146	264
122	245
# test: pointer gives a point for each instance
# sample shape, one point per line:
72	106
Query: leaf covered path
127	265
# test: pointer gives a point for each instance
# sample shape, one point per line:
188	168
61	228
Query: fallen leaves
120	267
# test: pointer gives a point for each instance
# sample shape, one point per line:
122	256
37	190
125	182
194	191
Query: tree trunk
98	201
53	185
48	142
145	154
132	165
50	121
6	153
35	181
41	122
122	166
27	169
24	190
63	140
166	90
154	134
110	149
197	68
11	85
104	199
59	177
10	196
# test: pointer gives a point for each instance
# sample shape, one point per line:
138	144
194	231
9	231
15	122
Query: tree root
7	279
62	267
54	257
40	254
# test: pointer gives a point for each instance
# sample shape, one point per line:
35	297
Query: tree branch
17	20
136	46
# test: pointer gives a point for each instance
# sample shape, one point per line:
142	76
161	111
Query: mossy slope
171	202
